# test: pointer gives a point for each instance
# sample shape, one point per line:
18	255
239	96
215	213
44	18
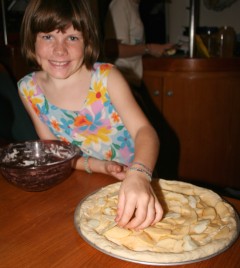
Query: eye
46	37
73	38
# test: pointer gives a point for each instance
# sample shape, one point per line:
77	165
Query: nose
60	48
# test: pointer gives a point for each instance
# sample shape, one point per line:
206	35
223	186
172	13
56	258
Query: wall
178	17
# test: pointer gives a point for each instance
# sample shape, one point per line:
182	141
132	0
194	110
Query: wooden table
37	229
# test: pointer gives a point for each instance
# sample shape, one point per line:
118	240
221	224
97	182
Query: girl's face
60	54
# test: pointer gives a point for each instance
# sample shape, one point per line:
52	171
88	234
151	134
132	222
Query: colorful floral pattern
97	128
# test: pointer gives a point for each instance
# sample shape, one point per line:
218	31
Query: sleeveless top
96	128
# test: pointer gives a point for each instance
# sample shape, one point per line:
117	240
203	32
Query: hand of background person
138	206
158	50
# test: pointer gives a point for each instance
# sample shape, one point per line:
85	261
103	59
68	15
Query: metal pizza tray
98	247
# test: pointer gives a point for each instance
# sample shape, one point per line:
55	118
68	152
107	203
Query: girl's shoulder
102	68
26	80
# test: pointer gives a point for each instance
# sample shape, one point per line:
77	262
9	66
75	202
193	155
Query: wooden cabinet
200	100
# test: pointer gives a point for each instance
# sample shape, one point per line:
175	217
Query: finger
120	207
154	213
113	167
141	212
149	218
158	211
128	210
119	175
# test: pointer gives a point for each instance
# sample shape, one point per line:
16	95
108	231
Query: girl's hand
101	166
116	170
138	206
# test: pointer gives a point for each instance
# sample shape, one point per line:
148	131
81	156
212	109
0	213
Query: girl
73	97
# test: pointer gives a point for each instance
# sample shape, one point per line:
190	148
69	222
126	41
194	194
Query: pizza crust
197	223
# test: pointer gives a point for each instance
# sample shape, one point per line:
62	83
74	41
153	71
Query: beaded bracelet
148	174
86	165
142	165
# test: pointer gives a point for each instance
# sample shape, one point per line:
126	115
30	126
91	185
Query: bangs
48	19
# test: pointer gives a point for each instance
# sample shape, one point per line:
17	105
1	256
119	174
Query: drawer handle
169	93
156	92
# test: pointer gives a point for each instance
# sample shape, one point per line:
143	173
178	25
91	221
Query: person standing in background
124	40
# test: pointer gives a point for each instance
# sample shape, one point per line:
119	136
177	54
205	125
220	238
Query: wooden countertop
184	64
37	229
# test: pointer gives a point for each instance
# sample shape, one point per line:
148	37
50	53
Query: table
37	229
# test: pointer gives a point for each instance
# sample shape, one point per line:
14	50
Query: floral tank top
96	128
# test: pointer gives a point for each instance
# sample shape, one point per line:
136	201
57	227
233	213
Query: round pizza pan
98	247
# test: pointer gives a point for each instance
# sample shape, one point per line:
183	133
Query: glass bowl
37	165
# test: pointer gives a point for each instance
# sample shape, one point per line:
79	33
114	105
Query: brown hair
49	15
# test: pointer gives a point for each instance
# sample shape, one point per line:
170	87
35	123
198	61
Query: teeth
59	63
